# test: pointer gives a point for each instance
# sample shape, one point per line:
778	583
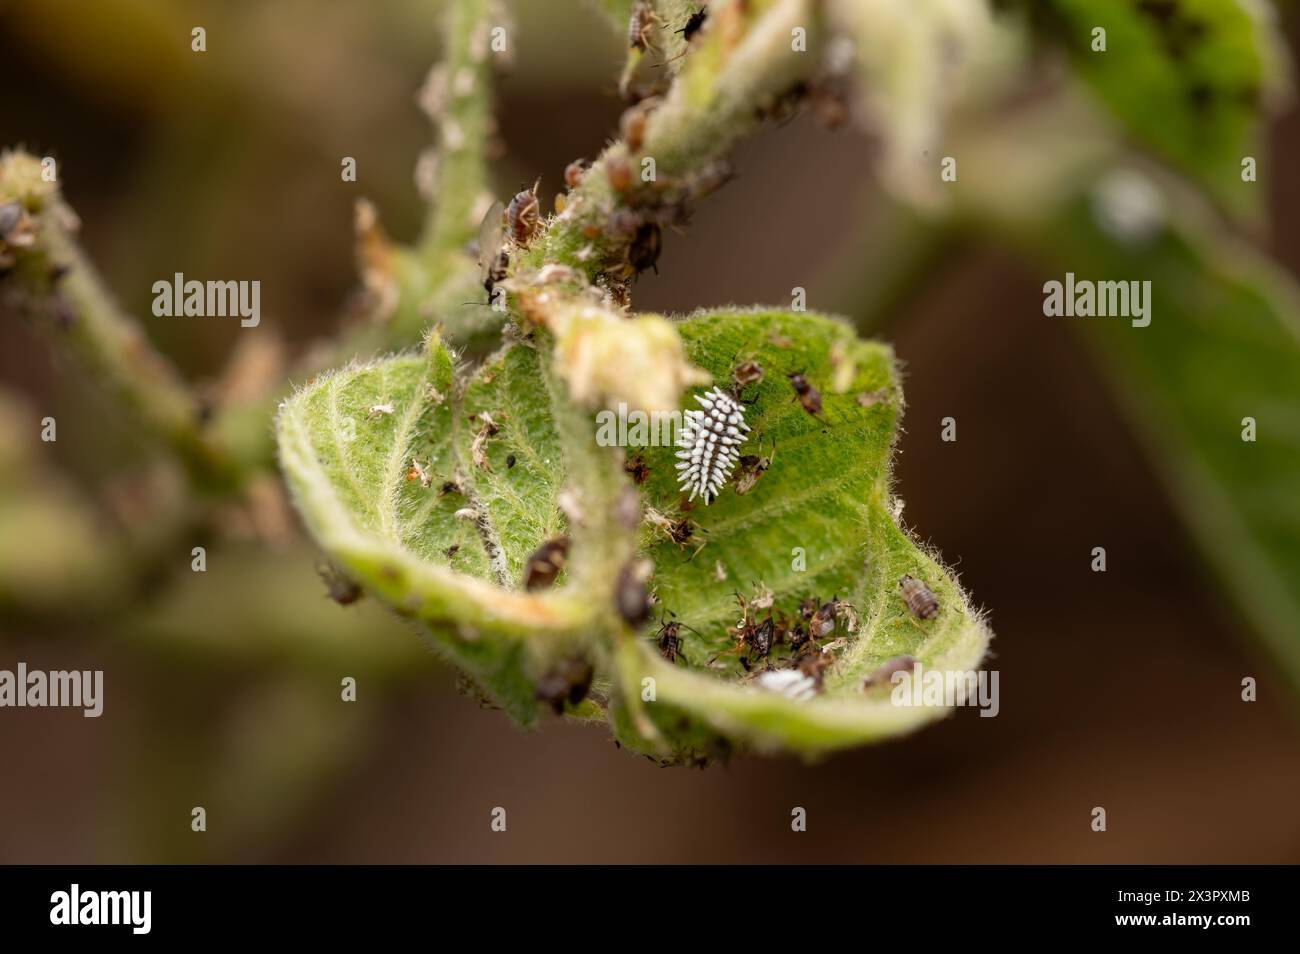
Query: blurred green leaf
1188	78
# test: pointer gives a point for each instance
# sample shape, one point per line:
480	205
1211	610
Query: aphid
574	171
568	682
750	637
448	487
807	608
510	461
478	450
808	396
752	467
493	260
709	440
631	597
670	640
632	127
417	472
920	599
619	172
523	215
452	550
746	373
341	589
822	622
644	251
813	664
641	26
798	636
638	469
545	563
884	673
681	531
694	23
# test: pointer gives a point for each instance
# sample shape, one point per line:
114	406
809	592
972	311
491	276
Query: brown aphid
631	596
620	174
808	396
574	171
568	682
545	563
670	641
822	622
813	663
884	673
523	216
747	373
448	487
752	467
340	588
641	26
920	599
452	550
638	469
632	127
644	251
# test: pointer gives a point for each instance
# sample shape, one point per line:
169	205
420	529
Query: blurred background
1119	689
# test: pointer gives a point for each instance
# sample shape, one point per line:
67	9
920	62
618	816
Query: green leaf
347	443
349	440
826	491
1187	78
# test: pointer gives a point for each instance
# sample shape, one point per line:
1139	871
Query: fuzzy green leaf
827	492
347	446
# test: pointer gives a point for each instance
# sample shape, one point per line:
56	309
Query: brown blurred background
1119	689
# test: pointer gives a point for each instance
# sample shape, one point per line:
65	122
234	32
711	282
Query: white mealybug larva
709	440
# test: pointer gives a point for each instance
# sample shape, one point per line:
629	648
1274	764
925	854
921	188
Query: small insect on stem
545	563
919	597
568	682
523	216
694	24
807	395
641	26
646	245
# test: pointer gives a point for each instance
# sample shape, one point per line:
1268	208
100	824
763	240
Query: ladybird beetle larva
709	440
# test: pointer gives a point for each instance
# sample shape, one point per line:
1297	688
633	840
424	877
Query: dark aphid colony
523	216
709	440
919	597
567	682
808	396
545	563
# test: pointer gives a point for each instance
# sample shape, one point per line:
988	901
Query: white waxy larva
709	440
